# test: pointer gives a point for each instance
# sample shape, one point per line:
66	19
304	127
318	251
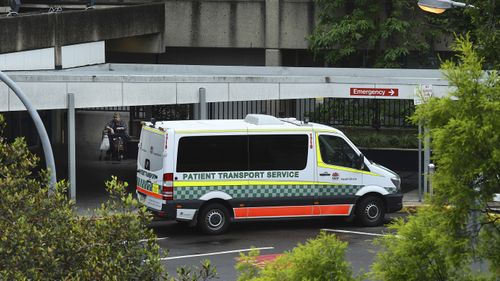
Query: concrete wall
238	23
28	60
40	59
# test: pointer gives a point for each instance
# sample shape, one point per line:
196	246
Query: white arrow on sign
391	92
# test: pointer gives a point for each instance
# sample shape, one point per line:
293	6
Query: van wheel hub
372	211
215	219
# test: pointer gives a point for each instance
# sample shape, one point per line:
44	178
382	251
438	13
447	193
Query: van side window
212	153
336	151
278	152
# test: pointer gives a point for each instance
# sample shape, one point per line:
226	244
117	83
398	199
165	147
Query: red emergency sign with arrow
383	92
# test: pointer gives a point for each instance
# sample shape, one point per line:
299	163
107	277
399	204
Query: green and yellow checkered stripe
268	191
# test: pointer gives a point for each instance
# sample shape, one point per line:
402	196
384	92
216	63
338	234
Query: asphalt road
186	246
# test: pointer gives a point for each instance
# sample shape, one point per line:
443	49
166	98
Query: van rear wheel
214	219
370	211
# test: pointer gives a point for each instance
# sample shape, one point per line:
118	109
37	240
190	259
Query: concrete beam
37	31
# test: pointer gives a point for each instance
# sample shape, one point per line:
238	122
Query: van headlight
397	183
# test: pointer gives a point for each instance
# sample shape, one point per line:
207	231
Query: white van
210	172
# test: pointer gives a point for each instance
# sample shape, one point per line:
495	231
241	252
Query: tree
322	258
43	238
482	24
441	242
382	32
386	33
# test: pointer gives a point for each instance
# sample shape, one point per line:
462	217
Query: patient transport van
211	172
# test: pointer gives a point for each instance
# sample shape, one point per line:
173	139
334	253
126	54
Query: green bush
425	247
382	138
458	229
43	238
318	259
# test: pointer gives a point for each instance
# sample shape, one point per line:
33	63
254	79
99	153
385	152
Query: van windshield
336	151
151	148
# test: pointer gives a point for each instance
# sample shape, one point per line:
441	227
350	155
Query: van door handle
324	174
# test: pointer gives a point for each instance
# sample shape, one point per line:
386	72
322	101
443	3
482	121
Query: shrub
458	229
322	258
43	238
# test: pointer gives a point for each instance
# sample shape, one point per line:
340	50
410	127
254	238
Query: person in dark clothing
116	128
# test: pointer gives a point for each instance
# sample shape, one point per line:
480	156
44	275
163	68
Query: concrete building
249	32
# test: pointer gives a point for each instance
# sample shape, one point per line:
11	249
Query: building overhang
139	84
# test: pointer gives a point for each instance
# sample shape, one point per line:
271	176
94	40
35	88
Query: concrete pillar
56	125
273	54
71	147
420	189
58	57
427	158
202	92
273	57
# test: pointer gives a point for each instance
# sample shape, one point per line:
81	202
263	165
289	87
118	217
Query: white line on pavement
157	239
216	253
352	232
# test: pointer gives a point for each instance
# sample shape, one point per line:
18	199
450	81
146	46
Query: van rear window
242	153
278	152
212	153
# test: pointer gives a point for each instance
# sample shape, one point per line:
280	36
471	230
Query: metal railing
111	108
375	113
331	111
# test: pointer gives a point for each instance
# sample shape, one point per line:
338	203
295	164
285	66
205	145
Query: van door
150	162
338	176
283	164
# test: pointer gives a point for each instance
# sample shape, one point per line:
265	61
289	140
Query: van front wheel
370	211
213	219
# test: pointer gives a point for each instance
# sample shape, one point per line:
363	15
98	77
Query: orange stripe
335	209
149	193
240	212
284	211
291	211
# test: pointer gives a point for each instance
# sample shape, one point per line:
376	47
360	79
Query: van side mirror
360	162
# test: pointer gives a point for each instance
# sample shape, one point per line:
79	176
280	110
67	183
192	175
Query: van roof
251	122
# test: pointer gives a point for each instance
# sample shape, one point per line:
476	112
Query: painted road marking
261	261
157	239
216	253
352	232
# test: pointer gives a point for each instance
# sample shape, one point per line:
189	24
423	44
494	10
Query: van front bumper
394	202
